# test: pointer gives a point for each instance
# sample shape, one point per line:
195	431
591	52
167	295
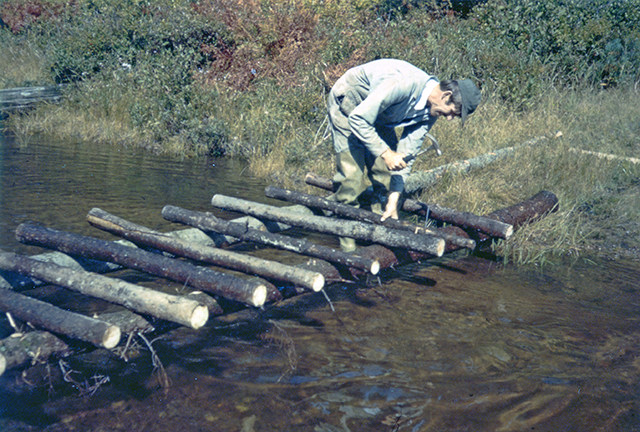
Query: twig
163	378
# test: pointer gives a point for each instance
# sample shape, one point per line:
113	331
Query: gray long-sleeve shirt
393	93
390	93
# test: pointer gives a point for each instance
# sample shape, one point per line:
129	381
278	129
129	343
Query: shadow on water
458	344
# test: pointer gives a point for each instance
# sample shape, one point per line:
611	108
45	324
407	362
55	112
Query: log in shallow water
208	222
362	231
252	293
140	299
141	235
465	220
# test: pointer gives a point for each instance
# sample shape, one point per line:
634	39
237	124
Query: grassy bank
249	79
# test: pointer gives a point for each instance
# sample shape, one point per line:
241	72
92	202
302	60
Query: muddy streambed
457	344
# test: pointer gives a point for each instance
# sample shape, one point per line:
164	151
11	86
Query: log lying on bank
422	179
144	236
143	300
250	292
25	97
52	318
465	220
362	215
22	349
362	231
209	223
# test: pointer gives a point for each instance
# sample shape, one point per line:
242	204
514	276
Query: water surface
456	344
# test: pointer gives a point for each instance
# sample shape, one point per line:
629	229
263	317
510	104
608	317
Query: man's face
442	108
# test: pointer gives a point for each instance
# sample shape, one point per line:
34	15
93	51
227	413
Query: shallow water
457	344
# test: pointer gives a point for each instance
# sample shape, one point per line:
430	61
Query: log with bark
143	236
21	349
209	223
250	292
465	220
362	231
51	318
140	299
525	212
362	215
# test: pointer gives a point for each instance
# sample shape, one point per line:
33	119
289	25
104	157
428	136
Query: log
128	322
22	349
423	179
528	211
140	299
208	222
144	236
25	97
464	220
252	293
606	155
52	318
362	215
358	230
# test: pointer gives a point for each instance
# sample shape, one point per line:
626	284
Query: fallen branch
423	179
606	156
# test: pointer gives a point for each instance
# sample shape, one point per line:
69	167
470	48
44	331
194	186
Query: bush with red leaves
20	14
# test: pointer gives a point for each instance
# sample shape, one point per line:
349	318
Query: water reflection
56	183
458	344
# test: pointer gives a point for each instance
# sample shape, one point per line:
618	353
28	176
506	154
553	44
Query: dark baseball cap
470	97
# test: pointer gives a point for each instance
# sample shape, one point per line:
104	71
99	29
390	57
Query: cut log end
259	296
199	317
111	337
375	267
3	364
509	232
440	248
318	283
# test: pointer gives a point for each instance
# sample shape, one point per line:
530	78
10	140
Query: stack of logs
394	242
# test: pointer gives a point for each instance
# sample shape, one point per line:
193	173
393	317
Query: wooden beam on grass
250	292
140	299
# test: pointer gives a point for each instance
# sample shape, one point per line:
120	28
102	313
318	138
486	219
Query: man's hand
391	210
393	160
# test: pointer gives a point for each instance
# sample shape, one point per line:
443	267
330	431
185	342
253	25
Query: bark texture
143	236
252	293
21	349
56	320
358	230
208	222
362	215
144	300
466	220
